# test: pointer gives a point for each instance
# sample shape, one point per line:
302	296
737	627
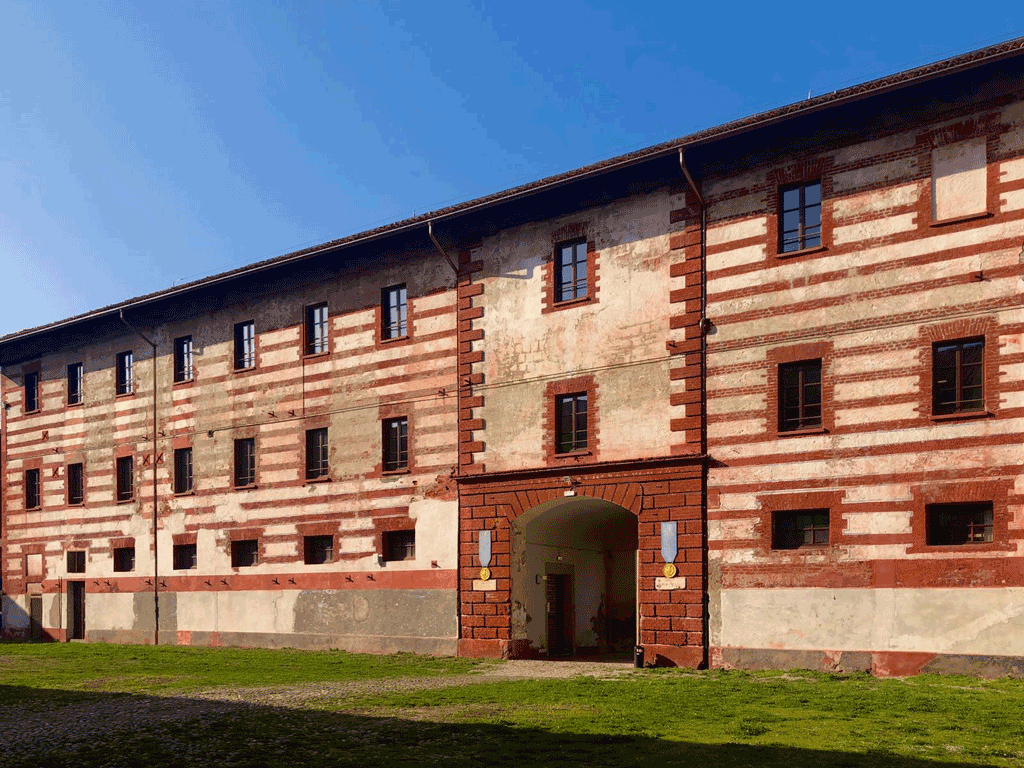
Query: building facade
749	398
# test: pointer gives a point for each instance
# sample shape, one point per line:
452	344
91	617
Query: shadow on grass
54	728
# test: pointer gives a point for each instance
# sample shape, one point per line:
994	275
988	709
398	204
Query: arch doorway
574	578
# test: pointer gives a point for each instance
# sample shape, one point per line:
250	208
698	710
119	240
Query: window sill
177	494
123	395
32	412
571	302
988	546
75	504
248	487
802	432
941	418
33	509
79	404
314	355
961	219
317	480
394	339
126	501
390	472
184	383
801	252
572	454
246	369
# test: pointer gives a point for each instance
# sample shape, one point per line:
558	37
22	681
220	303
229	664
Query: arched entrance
574	577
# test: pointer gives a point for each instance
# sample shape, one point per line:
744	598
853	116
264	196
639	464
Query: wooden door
76	610
35	616
559	614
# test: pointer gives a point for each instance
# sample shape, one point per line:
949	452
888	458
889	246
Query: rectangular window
793	530
800	395
959	180
394	312
316	329
571	422
184	557
124	559
953	524
245	345
76	561
76	483
318	550
399	545
958	369
245	462
396	444
245	553
183	359
125	484
31	392
124	373
76	383
183	470
33	495
800	217
316	453
571	271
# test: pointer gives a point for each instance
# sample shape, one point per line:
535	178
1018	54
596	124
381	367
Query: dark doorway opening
35	616
559	614
76	610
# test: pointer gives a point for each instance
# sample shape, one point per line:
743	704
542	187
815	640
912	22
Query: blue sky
148	144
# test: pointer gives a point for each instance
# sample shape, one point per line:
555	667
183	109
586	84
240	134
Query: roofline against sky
899	80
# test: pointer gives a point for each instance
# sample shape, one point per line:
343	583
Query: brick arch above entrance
626	495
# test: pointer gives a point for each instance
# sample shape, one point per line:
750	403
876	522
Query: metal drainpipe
704	325
156	548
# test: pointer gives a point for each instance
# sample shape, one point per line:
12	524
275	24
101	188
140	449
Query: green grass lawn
664	717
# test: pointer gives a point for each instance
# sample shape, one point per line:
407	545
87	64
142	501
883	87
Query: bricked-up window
396	444
245	345
800	217
124	559
76	383
316	453
958	383
124	373
245	553
571	427
316	329
33	496
952	524
76	561
399	545
184	557
318	550
800	395
806	528
124	480
245	462
32	391
76	483
183	358
394	312
183	470
571	271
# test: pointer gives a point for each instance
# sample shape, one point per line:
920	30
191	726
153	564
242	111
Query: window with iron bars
124	479
317	328
76	383
245	462
571	424
76	483
953	524
800	216
245	553
317	450
31	392
124	373
245	345
183	359
958	376
183	470
571	271
396	444
806	528
33	496
800	395
318	550
399	545
394	312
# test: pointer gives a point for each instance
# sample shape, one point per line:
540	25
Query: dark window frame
800	397
399	545
33	489
801	529
394	312
75	486
317	454
183	481
245	345
572	256
124	559
245	462
572	422
948	357
959	524
183	367
245	553
124	373
75	561
805	236
318	549
185	557
76	383
124	479
33	401
395	444
317	329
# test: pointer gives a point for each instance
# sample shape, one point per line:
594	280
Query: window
245	462
245	553
31	391
76	483
793	530
183	359
124	373
316	329
947	524
76	561
183	470
184	557
394	312
396	444
399	545
32	491
800	214
318	549
571	422
124	559
958	376
316	453
245	345
571	271
76	375
125	489
800	395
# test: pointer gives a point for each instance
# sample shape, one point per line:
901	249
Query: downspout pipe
156	548
704	326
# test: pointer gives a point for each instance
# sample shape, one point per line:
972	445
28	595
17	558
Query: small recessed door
76	610
35	616
559	614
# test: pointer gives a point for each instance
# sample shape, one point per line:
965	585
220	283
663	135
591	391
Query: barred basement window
124	480
245	553
76	483
571	271
800	395
124	373
32	490
800	217
316	453
76	561
958	383
394	312
184	557
245	345
124	559
953	524
318	550
245	462
76	383
793	530
396	444
183	359
183	470
571	422
316	329
399	545
31	392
